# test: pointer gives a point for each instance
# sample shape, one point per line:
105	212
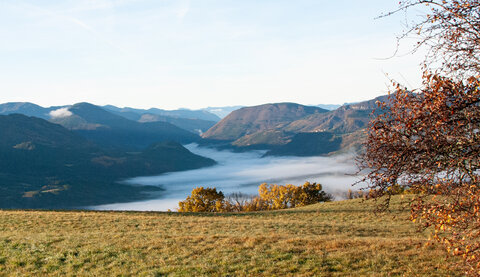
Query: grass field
330	239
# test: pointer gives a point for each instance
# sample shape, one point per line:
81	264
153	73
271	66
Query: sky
199	53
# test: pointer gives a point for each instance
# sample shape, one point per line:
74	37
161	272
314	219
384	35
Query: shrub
203	200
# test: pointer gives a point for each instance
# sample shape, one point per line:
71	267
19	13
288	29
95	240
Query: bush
271	197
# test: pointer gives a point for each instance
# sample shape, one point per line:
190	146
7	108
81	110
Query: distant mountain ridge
345	119
44	165
295	129
135	114
270	126
108	129
222	112
329	107
247	121
196	126
26	108
195	121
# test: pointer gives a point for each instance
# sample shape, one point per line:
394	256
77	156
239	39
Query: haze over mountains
71	156
222	111
135	114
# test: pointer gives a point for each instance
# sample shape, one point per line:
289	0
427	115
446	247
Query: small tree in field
311	193
428	140
203	200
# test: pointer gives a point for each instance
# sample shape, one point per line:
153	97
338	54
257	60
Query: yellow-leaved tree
203	200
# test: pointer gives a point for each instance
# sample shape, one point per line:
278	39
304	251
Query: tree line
270	197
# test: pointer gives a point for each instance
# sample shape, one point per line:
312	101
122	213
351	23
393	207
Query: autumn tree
203	200
276	197
427	140
279	197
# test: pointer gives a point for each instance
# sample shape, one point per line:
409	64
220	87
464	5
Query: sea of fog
243	172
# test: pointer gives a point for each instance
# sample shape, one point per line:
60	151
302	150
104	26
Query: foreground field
331	239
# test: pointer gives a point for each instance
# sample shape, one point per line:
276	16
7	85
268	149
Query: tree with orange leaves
428	140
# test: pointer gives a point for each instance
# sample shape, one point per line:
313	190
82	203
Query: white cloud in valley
60	113
244	172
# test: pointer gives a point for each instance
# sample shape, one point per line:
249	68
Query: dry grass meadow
331	239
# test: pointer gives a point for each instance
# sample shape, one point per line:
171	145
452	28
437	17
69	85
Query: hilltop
251	120
329	239
289	129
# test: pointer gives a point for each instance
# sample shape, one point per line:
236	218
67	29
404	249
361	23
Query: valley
242	172
84	155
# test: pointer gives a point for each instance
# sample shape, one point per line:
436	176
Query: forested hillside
44	165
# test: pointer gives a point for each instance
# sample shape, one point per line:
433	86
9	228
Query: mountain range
197	121
135	114
72	156
78	158
111	130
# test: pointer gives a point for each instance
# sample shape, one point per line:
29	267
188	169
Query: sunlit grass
330	239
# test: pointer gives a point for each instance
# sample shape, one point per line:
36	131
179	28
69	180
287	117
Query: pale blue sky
199	53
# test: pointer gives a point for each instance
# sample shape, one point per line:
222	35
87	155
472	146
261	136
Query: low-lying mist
244	172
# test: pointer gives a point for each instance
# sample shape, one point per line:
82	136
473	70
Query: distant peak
80	104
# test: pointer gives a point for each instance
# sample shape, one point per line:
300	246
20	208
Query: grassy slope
331	239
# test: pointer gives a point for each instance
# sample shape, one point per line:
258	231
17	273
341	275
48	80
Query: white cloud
62	112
